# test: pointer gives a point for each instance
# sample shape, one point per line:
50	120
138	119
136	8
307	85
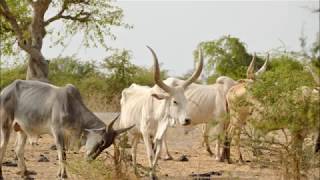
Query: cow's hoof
62	176
167	158
183	158
218	159
153	176
222	159
241	162
22	173
25	174
53	147
209	152
10	164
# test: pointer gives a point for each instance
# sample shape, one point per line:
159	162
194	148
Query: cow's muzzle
96	152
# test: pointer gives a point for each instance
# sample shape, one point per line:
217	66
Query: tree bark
37	65
38	69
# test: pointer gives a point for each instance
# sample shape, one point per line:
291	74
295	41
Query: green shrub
285	91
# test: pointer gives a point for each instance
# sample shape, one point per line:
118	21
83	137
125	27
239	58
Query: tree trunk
37	69
37	65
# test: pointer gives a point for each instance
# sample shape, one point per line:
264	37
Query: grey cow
33	108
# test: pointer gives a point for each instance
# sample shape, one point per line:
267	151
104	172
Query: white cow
153	109
206	104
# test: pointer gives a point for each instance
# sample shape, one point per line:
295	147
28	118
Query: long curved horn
110	126
263	67
119	131
197	72
250	74
157	78
314	75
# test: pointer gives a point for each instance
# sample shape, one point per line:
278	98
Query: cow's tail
8	102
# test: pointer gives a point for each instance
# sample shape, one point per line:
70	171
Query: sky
174	29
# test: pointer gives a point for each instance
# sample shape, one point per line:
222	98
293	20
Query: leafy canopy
226	56
93	19
286	92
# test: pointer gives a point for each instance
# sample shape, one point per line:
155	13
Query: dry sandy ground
179	144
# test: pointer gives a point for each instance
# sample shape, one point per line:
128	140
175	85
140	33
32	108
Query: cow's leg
167	155
237	144
217	148
256	139
150	153
226	150
204	127
135	141
59	140
158	140
158	144
220	133
205	132
5	129
19	150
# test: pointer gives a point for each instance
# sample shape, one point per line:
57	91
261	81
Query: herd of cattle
33	108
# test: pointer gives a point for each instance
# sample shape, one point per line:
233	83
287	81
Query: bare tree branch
82	16
59	14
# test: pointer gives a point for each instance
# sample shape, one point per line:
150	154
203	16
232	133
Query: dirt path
179	144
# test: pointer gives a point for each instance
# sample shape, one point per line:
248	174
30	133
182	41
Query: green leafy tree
144	76
24	25
286	92
226	56
122	73
120	70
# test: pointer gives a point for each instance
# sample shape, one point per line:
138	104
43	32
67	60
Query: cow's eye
175	102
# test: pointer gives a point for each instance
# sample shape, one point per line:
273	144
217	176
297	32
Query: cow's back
205	103
133	101
41	106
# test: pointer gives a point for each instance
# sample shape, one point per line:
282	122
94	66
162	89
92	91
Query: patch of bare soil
199	161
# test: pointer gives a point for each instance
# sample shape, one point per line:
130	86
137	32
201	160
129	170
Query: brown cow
239	114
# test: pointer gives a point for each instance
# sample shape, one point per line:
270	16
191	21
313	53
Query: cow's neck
161	109
91	121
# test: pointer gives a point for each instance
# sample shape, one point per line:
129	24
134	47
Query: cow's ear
159	96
